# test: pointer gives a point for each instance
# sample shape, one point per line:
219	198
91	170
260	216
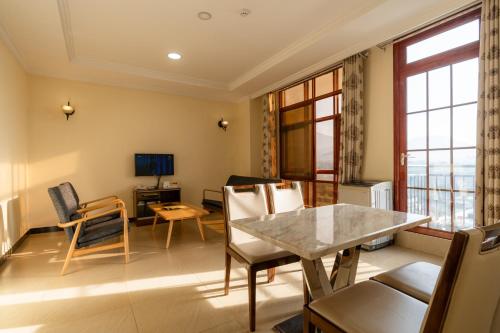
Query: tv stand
143	197
158	182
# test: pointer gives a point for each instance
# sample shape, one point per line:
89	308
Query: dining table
313	233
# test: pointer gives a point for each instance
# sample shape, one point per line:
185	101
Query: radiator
377	194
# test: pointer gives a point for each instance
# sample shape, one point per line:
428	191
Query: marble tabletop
315	232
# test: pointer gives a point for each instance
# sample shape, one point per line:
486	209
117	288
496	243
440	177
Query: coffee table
172	212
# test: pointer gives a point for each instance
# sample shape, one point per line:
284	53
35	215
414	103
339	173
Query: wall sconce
68	110
223	123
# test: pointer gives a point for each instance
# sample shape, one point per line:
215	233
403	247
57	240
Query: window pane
464	210
325	176
440	210
324	107
444	41
338	84
296	143
416	92
417	201
417	169
439	169
309	89
464	169
439	128
294	95
324	145
324	194
324	84
338	103
439	87
465	81
464	125
416	131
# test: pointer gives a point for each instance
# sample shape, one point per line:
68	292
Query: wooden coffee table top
178	211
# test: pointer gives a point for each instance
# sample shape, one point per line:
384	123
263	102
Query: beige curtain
270	132
488	118
351	125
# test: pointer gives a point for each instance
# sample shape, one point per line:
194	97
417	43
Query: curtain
488	118
351	124
270	141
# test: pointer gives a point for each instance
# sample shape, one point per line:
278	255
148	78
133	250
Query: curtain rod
332	67
429	25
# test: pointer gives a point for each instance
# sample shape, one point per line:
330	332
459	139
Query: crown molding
148	73
65	16
5	37
298	46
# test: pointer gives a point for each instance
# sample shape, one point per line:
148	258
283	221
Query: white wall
13	150
94	149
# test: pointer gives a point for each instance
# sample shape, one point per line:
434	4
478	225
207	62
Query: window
436	89
309	135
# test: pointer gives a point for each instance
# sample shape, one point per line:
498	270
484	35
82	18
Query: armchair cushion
417	279
212	204
371	307
99	232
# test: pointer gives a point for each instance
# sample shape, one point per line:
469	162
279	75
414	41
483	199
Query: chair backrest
75	195
285	199
242	202
467	293
65	203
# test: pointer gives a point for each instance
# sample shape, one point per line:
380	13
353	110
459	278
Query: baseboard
17	244
42	230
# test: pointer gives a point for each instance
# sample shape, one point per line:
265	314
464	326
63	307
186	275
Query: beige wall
13	150
94	149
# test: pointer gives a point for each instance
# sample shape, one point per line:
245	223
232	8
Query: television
154	164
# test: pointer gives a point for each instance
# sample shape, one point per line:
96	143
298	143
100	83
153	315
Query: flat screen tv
154	164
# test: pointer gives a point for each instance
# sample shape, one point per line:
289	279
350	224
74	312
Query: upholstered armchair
90	223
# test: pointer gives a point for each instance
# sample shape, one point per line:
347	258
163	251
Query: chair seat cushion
258	250
371	307
417	279
99	232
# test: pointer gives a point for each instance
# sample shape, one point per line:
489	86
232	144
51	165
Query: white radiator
377	194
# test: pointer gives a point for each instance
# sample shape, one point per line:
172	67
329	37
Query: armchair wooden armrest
109	203
209	190
92	202
89	217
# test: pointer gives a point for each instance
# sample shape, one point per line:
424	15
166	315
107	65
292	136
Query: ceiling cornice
5	37
298	46
65	16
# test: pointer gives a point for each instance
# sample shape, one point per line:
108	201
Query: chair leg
306	290
228	274
252	284
271	272
308	325
71	248
125	241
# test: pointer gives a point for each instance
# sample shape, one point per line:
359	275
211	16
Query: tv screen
154	164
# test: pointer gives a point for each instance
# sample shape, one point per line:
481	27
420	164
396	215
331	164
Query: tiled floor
175	290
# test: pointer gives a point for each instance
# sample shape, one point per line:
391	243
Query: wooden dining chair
285	197
244	202
466	297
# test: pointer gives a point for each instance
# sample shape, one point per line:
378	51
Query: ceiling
125	42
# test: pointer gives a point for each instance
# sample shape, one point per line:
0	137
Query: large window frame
402	70
310	99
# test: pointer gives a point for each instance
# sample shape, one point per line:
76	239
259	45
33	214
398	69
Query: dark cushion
101	231
212	204
65	203
72	188
235	180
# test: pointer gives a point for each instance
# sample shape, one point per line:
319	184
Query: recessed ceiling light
174	56
205	16
245	12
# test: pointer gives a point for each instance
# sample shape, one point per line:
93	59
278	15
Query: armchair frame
106	208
